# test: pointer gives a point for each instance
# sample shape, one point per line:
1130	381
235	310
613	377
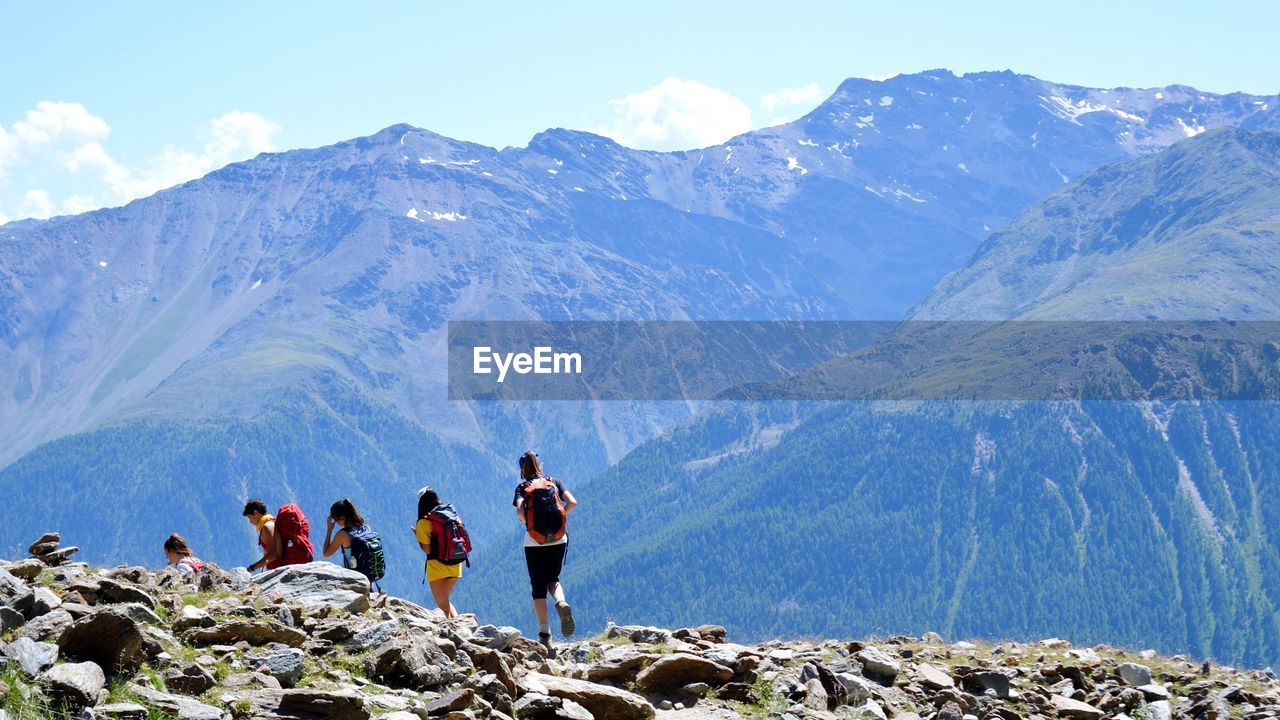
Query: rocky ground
308	642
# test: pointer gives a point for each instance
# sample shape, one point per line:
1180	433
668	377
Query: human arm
334	541
270	541
570	502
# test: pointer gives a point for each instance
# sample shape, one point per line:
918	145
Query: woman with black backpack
543	505
361	547
445	542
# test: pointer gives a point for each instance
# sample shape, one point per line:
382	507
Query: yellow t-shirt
436	570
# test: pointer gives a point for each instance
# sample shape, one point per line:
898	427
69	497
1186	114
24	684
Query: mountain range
276	328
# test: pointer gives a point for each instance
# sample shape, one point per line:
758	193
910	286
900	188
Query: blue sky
163	91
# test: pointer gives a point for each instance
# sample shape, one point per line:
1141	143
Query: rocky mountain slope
1185	234
309	643
1146	522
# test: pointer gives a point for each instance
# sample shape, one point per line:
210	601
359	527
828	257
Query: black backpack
366	548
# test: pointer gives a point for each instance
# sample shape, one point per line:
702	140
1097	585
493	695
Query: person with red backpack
444	540
285	538
543	505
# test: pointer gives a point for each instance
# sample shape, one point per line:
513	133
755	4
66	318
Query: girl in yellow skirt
444	541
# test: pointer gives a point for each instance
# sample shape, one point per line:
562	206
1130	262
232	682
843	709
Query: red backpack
450	543
544	511
295	535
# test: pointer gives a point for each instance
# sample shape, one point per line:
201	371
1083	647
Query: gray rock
677	669
33	657
47	542
990	680
815	696
1134	674
254	632
856	688
59	556
11	619
317	583
1072	708
192	617
639	634
495	638
27	570
535	706
179	706
876	662
122	711
868	710
191	680
283	664
932	677
1159	710
112	591
77	683
109	637
47	626
1154	692
45	602
602	701
412	661
373	636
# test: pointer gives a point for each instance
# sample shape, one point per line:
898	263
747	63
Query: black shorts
544	563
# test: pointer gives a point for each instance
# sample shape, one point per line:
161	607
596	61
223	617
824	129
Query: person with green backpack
444	540
361	547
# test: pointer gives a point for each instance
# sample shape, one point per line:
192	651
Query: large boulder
28	569
620	662
602	701
1134	674
876	663
117	592
33	657
317	583
680	669
254	632
412	661
48	626
108	636
78	684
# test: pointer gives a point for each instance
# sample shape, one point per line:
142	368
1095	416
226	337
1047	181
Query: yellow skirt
437	570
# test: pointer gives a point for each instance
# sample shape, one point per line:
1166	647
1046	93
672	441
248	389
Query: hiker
361	547
543	505
445	542
284	537
179	555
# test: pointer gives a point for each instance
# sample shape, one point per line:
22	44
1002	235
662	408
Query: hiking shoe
545	640
566	618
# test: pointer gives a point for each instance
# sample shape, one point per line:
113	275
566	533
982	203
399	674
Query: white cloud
677	114
791	97
63	145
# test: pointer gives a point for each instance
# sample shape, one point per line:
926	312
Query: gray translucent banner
864	360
